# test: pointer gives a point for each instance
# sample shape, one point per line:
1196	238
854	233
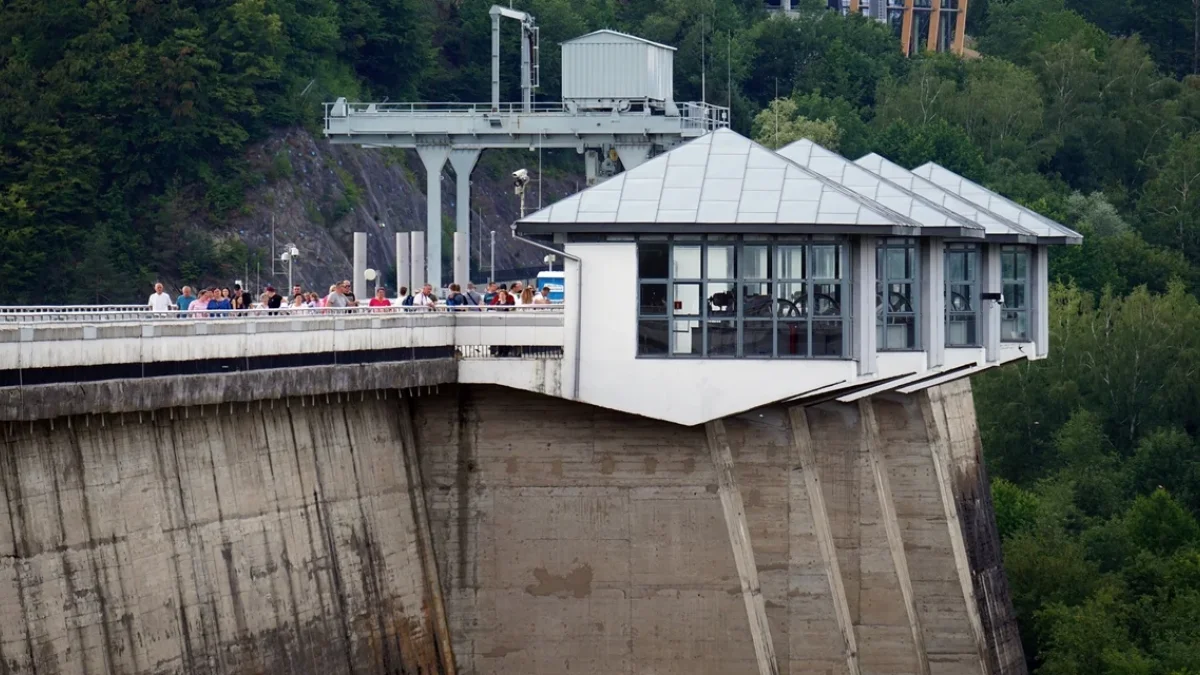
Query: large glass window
896	294
962	295
1014	277
749	296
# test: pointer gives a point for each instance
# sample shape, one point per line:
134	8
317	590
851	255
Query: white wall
685	391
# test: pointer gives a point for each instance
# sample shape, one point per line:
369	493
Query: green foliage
779	125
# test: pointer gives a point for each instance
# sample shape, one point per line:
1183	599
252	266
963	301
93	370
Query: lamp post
371	275
492	264
290	254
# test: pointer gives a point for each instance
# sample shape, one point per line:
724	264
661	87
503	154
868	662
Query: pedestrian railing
106	314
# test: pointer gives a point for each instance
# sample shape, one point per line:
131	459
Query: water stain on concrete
577	583
754	498
689	465
651	465
556	468
608	465
499	652
510	465
711	488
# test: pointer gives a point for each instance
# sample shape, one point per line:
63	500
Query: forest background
113	113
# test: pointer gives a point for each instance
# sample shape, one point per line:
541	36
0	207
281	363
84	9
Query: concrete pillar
403	259
960	27
434	158
572	302
417	278
906	26
989	310
935	24
933	300
462	160
462	257
1039	299
862	284
633	156
358	281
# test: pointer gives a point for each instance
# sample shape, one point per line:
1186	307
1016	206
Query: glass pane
1014	296
899	263
757	301
652	260
900	298
827	339
687	299
789	262
793	338
956	266
722	338
899	333
827	300
721	262
685	262
685	338
1008	267
1013	326
972	265
959	298
793	300
654	299
722	299
758	339
652	338
756	262
826	263
960	330
1022	264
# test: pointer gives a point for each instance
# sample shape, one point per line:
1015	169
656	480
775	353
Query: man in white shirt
517	287
159	301
425	298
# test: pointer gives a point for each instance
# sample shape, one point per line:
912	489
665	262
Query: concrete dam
466	528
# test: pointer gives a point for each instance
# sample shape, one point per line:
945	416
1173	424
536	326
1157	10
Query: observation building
722	276
936	25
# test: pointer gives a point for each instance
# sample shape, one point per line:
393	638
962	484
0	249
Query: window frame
883	281
1007	311
972	282
739	282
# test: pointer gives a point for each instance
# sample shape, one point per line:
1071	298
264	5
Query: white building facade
722	276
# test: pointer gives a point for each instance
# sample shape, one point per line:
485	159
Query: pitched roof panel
995	202
722	177
993	224
874	186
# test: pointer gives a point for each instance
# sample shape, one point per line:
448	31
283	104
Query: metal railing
80	314
694	115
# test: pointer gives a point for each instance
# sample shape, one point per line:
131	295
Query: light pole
492	264
290	254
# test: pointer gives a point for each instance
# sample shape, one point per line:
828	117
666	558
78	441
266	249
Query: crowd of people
217	302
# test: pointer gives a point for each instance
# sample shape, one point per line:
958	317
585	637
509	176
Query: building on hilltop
936	25
731	277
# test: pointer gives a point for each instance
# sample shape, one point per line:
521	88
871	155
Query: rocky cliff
316	195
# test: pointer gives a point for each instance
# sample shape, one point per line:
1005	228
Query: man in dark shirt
272	298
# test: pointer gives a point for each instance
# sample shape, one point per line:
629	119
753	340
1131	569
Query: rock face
484	530
316	195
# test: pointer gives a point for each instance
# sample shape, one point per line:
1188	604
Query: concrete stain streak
575	584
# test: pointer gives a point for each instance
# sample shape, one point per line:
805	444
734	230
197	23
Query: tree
779	125
1170	206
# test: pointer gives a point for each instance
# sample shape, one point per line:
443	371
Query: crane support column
417	272
403	261
359	281
462	160
434	158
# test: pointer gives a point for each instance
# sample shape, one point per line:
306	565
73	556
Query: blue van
555	281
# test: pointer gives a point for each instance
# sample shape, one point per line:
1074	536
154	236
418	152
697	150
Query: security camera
521	175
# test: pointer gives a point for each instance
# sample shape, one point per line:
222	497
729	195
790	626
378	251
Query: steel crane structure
612	116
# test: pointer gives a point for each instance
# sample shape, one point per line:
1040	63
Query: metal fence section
140	314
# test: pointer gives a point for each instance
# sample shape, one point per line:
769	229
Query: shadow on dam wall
488	531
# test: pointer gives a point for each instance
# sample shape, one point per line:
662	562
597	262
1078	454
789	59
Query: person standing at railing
271	299
491	293
456	298
185	299
336	301
473	296
220	306
542	298
404	299
526	297
242	298
380	302
160	302
198	309
515	293
425	299
348	291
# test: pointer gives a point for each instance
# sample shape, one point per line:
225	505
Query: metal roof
722	178
874	186
994	224
614	33
1027	218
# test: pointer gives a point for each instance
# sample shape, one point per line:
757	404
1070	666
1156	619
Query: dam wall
482	530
